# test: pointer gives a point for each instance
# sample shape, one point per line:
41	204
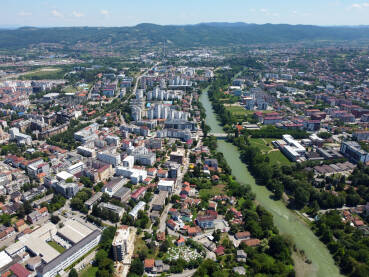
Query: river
287	221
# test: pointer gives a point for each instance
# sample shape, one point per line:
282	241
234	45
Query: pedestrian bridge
219	135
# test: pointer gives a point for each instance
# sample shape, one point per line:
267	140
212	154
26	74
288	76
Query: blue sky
128	13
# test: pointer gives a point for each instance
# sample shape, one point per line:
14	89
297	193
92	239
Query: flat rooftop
74	231
36	242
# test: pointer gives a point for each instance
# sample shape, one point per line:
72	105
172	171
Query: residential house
205	222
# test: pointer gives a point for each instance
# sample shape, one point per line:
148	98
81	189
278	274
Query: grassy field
264	144
277	157
43	73
69	89
266	147
56	246
205	193
238	110
89	271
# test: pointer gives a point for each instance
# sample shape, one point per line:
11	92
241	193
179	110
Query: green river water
287	221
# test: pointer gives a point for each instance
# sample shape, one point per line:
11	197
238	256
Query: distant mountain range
203	34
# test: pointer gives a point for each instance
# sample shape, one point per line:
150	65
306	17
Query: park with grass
46	73
266	147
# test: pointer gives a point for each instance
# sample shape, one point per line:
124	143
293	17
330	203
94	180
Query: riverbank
286	220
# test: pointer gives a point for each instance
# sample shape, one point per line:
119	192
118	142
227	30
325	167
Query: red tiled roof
149	263
19	270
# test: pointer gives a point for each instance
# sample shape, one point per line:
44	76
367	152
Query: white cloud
23	13
269	13
57	13
359	6
105	12
77	14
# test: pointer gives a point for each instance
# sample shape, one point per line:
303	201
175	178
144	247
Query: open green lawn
265	145
56	246
277	157
89	271
44	73
238	110
205	193
69	89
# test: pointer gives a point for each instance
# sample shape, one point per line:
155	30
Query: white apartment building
109	158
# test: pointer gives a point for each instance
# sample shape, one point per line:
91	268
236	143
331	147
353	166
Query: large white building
292	148
86	152
19	137
139	207
109	158
87	134
135	175
166	185
114	185
76	168
67	258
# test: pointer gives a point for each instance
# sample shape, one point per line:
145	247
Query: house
20	225
19	270
242	235
171	224
181	241
185	190
6	233
162	173
37	215
174	214
159	266
138	193
159	201
236	214
212	163
241	256
212	206
152	171
166	185
149	265
205	222
252	242
193	231
219	251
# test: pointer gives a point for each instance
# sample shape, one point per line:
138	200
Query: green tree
73	273
137	267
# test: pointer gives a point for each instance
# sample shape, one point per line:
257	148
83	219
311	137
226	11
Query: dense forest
205	34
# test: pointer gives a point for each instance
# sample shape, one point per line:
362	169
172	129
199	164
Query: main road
286	220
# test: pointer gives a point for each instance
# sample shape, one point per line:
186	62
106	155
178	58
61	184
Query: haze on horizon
47	13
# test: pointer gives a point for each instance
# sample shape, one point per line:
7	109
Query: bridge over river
219	135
